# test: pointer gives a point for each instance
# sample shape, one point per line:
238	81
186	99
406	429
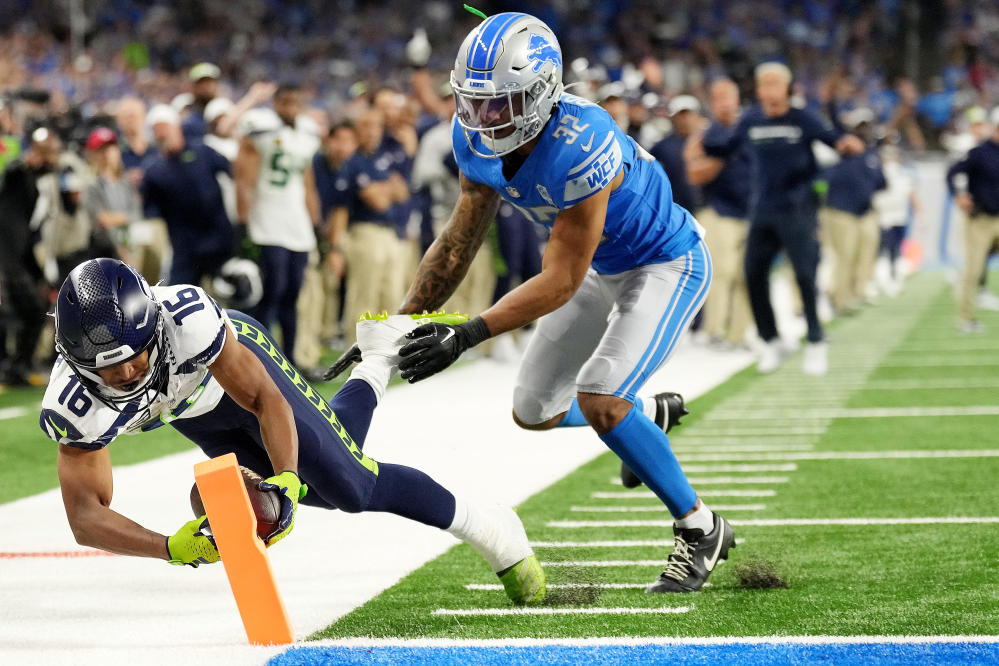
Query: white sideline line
623	543
715	480
831	455
648	494
782	522
12	412
660	507
785	467
668	610
603	641
786	416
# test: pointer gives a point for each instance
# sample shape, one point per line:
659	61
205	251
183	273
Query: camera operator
21	278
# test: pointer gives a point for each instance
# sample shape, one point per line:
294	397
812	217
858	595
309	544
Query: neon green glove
190	546
291	489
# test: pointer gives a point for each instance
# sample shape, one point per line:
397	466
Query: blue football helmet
507	78
105	315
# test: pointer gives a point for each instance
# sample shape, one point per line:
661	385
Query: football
266	504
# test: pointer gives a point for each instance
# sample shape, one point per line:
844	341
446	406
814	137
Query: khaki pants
311	303
726	313
375	273
849	239
867	251
147	248
980	233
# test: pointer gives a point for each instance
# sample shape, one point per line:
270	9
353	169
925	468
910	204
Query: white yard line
666	610
622	543
496	587
785	416
12	412
648	494
780	522
732	444
931	384
717	480
705	430
603	563
830	455
660	508
694	469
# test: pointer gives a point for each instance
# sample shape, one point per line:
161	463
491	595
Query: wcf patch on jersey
594	174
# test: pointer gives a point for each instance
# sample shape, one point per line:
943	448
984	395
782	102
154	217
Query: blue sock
574	417
644	447
410	493
353	405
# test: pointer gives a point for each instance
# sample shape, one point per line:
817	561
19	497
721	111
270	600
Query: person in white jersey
276	197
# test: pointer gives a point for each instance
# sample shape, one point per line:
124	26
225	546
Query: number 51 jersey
580	151
194	327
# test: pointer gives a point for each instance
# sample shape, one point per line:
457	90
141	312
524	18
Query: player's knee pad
531	407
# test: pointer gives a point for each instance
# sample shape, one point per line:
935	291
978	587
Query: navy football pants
796	232
330	460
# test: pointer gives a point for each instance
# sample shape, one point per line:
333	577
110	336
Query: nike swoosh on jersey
62	432
709	563
589	144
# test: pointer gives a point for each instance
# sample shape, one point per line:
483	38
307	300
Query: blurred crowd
294	157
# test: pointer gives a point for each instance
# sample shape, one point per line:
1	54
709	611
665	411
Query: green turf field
905	426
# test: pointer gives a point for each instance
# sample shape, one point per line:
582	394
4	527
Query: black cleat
694	556
669	411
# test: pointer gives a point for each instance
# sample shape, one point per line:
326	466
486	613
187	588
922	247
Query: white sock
376	371
702	518
648	407
495	532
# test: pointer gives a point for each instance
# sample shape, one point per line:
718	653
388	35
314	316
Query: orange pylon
244	555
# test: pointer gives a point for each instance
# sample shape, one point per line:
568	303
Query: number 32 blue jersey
580	152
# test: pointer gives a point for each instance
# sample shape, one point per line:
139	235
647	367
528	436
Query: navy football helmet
105	315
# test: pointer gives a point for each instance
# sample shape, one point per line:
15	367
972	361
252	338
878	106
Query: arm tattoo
446	262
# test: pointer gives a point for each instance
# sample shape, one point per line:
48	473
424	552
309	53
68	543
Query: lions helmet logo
541	51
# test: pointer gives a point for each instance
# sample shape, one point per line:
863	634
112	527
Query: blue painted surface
688	655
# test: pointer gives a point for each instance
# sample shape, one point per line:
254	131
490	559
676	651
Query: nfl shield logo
512	191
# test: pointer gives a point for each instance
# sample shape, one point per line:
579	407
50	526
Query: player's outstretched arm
243	377
574	239
85	480
444	265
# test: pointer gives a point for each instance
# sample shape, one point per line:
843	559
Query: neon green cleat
381	335
524	582
438	316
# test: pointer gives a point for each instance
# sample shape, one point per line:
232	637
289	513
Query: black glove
352	355
436	346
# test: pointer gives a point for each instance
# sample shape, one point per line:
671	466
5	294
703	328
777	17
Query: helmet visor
479	113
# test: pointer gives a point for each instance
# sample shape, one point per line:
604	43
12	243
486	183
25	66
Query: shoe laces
680	560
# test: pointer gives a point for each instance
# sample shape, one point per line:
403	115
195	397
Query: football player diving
624	271
134	357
